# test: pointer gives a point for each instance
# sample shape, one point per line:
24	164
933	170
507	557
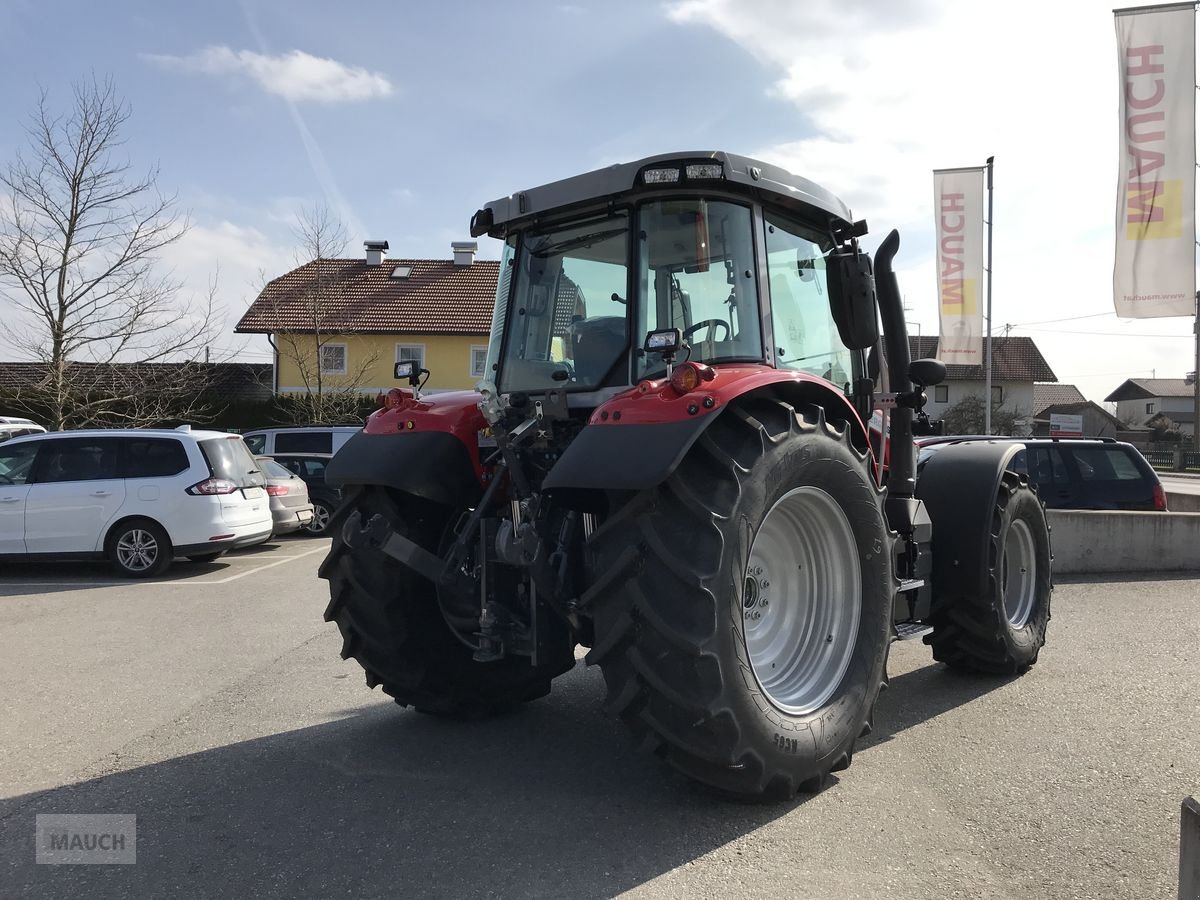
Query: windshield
566	320
697	275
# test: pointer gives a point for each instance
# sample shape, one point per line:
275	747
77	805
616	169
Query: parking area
212	704
36	577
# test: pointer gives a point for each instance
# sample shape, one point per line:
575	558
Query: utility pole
987	346
1196	381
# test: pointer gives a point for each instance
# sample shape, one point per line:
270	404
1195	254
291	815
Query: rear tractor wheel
393	624
746	620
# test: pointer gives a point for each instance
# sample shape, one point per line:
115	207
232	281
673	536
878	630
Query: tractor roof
769	183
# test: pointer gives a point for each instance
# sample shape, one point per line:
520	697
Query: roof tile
437	297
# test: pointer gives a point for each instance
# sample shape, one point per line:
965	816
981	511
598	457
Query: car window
256	443
228	458
315	467
1105	464
1047	466
295	466
150	458
304	442
1020	463
77	459
16	461
274	469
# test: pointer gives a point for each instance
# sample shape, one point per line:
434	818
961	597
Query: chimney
464	252
376	251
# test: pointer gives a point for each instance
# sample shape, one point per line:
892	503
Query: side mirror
852	297
926	372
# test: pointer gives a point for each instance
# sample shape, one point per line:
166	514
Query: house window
333	359
478	360
997	394
411	353
1149	409
941	393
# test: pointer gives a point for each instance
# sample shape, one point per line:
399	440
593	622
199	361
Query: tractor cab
733	257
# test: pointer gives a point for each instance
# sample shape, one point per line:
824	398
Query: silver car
291	509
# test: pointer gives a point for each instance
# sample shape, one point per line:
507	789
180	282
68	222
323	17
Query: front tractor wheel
1001	628
744	606
392	623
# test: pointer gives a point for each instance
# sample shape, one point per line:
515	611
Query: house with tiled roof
1017	365
1141	399
1046	395
369	313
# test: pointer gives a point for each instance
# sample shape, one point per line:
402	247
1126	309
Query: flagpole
987	346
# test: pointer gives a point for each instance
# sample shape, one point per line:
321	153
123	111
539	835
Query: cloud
294	75
884	94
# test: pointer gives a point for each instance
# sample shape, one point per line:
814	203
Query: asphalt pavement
215	708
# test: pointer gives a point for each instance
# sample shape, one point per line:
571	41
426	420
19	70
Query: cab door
16	465
74	496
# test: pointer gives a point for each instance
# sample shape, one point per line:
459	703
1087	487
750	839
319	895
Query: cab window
697	274
806	336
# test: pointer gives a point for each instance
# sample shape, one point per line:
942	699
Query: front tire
139	548
392	625
754	698
1001	629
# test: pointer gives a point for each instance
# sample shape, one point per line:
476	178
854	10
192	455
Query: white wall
1018	396
1167	405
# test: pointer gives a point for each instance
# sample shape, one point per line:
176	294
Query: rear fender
959	485
428	448
636	439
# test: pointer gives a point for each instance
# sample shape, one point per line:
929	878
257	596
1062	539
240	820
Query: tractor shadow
552	801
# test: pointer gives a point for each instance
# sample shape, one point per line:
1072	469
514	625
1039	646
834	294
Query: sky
406	117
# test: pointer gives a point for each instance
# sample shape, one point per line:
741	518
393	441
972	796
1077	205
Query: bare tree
80	236
311	326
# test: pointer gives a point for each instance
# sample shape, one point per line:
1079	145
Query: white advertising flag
1154	271
958	211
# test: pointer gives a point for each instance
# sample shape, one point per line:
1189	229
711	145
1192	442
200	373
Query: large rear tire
743	608
1001	629
391	623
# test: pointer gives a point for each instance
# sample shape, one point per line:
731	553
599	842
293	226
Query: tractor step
910	631
911	584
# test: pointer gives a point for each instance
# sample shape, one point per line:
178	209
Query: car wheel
322	513
139	549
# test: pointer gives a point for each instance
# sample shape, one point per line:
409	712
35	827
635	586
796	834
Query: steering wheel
712	328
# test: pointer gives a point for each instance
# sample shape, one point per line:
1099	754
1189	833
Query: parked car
13	426
139	498
291	509
1078	473
325	497
300	439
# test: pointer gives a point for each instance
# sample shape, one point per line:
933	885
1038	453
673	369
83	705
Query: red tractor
670	462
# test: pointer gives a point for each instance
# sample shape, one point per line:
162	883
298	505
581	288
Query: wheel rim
320	519
1019	571
801	601
137	550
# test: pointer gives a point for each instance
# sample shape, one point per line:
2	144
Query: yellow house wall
447	357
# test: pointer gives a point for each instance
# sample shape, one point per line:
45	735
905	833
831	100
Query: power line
1067	319
1123	334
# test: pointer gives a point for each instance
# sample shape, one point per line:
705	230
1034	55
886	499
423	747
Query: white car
300	439
137	497
12	426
